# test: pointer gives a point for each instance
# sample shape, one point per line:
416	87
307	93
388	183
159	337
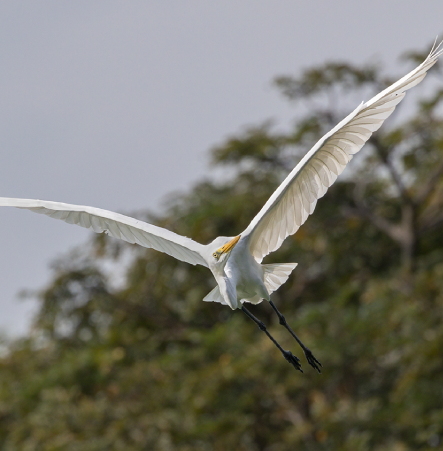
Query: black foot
312	360
293	360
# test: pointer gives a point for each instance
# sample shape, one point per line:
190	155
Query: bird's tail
275	275
214	296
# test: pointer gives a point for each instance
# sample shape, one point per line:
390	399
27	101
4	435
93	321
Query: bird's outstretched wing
118	226
295	199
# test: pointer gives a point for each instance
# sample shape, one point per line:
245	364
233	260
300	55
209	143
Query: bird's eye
214	255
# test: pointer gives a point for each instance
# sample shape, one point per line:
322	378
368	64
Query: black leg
292	359
309	356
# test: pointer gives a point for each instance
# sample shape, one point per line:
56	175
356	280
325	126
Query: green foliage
322	79
148	366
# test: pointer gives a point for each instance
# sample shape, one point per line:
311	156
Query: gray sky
115	104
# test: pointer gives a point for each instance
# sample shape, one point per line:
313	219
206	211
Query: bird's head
220	249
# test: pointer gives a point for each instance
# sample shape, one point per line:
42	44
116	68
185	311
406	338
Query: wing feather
295	199
117	226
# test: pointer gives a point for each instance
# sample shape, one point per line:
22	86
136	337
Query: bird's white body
236	262
245	275
240	277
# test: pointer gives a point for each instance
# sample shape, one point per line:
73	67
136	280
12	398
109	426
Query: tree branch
384	152
429	186
394	231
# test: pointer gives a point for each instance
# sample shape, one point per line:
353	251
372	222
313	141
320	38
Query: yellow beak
229	246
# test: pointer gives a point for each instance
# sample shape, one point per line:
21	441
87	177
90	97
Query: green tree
148	366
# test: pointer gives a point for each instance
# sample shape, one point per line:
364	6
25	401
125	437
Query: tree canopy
147	366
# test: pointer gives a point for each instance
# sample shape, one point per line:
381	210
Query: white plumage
116	225
295	199
282	215
236	262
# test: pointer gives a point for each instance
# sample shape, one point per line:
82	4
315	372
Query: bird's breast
245	273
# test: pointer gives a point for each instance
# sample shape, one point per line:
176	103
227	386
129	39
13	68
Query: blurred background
189	115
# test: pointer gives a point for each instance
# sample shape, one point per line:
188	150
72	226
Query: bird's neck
227	290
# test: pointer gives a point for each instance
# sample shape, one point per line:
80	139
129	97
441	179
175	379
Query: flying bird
236	262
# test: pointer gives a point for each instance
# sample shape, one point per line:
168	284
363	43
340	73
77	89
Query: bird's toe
293	360
312	360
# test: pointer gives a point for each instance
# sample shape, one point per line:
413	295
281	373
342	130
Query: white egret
235	262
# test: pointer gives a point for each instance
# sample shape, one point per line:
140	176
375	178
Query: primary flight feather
236	261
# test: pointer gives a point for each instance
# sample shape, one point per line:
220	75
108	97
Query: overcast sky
115	104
